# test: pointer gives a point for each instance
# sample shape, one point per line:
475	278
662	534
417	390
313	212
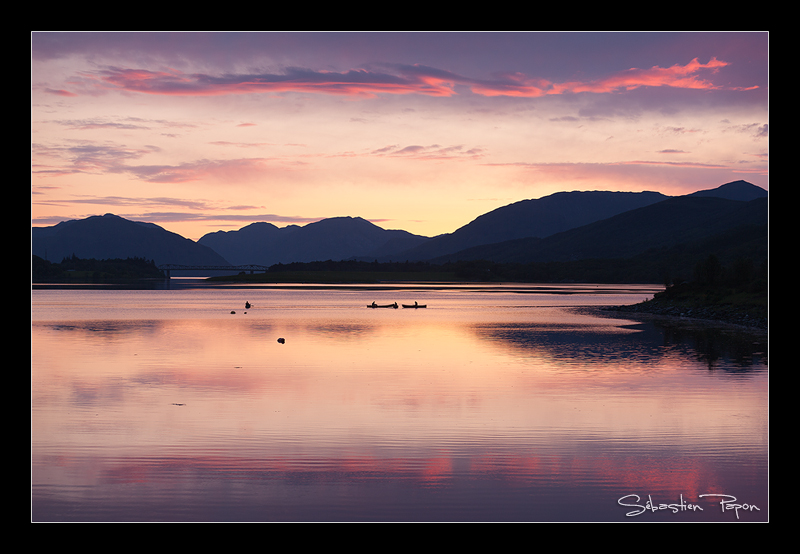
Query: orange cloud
677	76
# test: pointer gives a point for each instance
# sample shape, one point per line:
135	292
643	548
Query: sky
201	132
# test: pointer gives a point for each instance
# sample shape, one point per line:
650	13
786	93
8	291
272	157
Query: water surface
494	403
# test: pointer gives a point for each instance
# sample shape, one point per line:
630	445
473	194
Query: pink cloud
666	177
225	170
431	152
677	76
60	92
399	79
93	158
353	82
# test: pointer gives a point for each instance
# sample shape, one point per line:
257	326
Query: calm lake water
494	403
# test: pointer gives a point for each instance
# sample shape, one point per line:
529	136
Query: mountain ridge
682	219
332	238
574	225
540	217
110	236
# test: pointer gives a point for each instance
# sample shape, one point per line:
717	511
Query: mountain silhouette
110	236
560	227
336	238
679	220
540	218
736	190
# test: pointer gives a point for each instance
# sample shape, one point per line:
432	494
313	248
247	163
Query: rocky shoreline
718	314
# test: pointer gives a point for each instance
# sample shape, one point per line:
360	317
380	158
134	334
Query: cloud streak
430	152
92	158
399	79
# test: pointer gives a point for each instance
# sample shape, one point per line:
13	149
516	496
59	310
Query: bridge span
252	268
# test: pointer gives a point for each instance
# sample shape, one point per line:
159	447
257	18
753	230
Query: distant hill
336	238
559	228
737	190
540	218
666	222
110	236
682	220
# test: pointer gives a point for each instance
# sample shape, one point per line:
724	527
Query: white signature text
727	503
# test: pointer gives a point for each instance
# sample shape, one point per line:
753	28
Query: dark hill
736	190
558	228
679	220
245	245
540	218
337	238
111	237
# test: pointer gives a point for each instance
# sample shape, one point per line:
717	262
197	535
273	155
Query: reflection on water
493	404
717	348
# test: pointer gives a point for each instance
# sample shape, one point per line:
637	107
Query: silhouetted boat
415	305
374	305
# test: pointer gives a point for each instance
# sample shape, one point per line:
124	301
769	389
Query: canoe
415	305
382	305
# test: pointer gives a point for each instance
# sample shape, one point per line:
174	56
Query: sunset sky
200	132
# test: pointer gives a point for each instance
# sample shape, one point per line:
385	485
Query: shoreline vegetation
735	294
74	270
688	301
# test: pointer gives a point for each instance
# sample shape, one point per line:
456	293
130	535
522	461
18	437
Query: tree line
74	269
650	268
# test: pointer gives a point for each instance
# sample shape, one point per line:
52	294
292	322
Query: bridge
252	268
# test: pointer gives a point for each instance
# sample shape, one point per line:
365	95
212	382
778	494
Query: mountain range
336	238
560	227
110	236
539	218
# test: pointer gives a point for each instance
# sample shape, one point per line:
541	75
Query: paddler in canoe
374	305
